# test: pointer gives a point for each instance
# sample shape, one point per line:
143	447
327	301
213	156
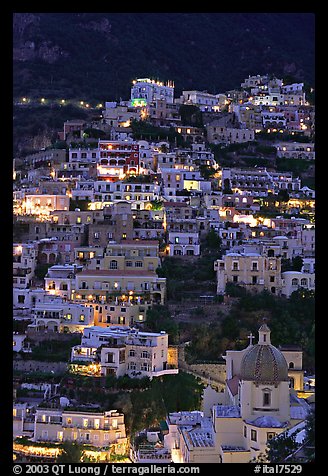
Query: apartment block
98	429
250	270
126	351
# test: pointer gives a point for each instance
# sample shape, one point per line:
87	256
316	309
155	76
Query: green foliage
146	130
81	204
159	319
213	242
54	350
206	171
296	166
295	264
191	115
41	270
281	447
94	133
309	448
71	452
235	290
156	205
166	394
183	278
291	322
96	42
125	382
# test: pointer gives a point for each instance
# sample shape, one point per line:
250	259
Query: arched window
291	365
266	397
303	282
294	282
113	264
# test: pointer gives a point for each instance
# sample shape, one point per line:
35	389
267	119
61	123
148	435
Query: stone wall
38	366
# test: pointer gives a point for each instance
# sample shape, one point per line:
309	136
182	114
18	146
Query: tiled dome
264	363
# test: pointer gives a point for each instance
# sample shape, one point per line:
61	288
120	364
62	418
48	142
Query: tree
283	196
281	446
159	318
227	187
297	263
309	448
71	453
213	241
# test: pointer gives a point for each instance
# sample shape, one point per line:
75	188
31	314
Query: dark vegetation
291	322
147	405
79	55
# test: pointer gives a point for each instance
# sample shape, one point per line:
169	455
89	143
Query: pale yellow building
113	285
97	429
250	270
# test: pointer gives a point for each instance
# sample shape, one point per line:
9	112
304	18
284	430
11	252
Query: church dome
263	362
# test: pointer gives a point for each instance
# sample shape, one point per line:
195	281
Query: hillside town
133	231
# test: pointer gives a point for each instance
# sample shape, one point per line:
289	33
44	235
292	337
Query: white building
145	91
201	99
125	350
184	243
295	280
62	317
60	280
24	263
190	438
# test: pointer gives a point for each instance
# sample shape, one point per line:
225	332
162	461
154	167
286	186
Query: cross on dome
251	337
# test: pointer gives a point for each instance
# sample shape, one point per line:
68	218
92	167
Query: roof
175	204
231	448
136	242
227	411
233	385
116	272
267	422
264	363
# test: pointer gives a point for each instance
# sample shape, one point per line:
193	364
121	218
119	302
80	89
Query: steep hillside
97	55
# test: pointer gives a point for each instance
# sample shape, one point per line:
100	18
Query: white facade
24	263
62	317
60	279
145	91
125	350
202	99
295	280
184	243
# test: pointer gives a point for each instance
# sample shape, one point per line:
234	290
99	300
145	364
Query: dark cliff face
97	55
